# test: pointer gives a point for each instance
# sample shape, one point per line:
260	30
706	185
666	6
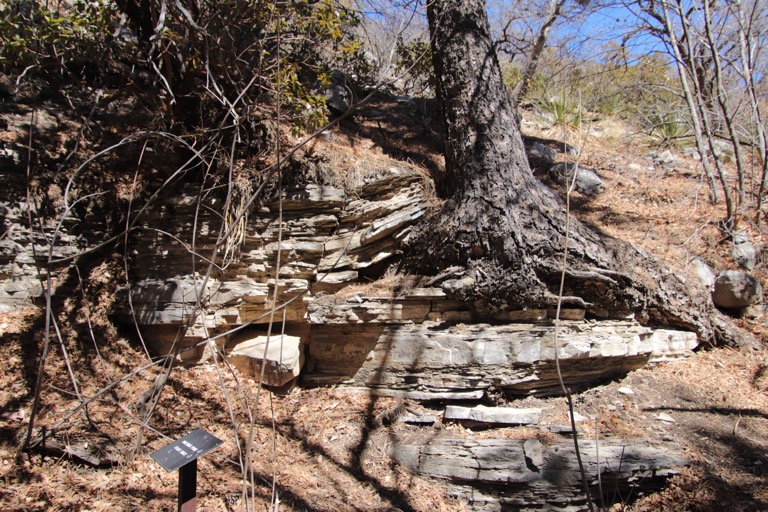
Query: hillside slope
330	447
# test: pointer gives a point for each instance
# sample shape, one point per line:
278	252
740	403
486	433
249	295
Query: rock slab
511	474
482	415
283	361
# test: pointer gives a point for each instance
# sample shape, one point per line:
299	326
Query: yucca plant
561	112
669	130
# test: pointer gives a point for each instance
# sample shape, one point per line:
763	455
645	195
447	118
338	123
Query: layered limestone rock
462	361
330	238
25	254
511	474
286	263
492	416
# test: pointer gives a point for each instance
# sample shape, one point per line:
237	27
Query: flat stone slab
493	415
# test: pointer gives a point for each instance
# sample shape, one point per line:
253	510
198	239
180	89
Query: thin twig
564	265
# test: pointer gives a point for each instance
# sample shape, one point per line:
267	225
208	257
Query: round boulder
587	180
734	290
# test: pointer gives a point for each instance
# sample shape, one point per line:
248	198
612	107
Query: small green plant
612	105
561	112
669	130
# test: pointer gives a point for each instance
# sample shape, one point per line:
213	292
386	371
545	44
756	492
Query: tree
505	227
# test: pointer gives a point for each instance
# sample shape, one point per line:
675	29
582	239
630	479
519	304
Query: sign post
182	454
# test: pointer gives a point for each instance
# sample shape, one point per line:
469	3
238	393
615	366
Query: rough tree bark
504	226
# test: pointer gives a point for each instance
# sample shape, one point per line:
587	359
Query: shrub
71	37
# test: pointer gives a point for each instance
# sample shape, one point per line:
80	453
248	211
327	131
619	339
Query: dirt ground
325	449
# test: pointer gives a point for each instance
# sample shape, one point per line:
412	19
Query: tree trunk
507	228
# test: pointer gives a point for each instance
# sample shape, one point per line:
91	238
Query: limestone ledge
432	357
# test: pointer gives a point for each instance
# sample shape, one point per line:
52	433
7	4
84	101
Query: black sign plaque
186	449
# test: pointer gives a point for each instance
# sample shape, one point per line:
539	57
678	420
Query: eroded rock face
24	257
511	474
446	360
329	240
424	344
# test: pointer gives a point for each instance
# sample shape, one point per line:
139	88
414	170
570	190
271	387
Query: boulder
284	356
539	150
337	99
735	290
587	180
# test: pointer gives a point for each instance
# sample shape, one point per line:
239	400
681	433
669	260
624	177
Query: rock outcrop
511	474
305	262
414	347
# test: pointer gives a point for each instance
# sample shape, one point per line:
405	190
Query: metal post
188	487
182	454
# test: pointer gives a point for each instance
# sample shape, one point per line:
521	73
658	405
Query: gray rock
385	343
10	157
337	99
41	119
570	150
7	87
664	158
587	180
456	287
723	150
754	311
493	415
743	252
666	418
418	419
704	272
692	152
511	474
669	344
539	150
534	452
735	290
